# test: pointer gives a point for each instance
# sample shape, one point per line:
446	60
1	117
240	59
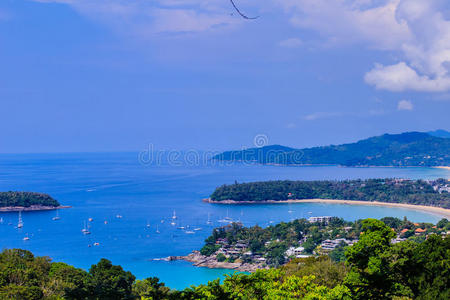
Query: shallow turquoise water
101	186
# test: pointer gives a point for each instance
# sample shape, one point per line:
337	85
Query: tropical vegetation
374	268
432	193
26	199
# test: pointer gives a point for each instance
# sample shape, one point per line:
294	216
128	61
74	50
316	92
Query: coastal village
323	235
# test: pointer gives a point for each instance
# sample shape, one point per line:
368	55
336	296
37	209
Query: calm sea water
102	186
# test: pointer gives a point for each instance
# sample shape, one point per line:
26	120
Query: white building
325	219
294	251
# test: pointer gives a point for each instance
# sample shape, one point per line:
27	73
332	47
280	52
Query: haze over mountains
405	149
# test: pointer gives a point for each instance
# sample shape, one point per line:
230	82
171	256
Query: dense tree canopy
433	193
26	199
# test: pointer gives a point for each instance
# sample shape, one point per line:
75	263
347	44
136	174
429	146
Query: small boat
197	229
189	232
96	244
162	221
85	230
227	217
105	222
119	216
209	219
157	230
148	225
57	217
90	219
20	222
181	227
173	223
174	216
26	238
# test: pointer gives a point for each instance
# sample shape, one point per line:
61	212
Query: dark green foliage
406	149
220	257
26	199
326	271
110	282
369	276
444	223
24	276
392	222
68	282
381	270
151	288
383	190
338	254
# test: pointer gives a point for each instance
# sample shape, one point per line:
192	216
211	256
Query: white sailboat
227	217
57	217
85	230
157	229
174	216
20	222
290	209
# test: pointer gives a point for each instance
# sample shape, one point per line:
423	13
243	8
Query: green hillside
405	149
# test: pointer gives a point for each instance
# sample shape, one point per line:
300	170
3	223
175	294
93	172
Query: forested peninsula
11	201
418	192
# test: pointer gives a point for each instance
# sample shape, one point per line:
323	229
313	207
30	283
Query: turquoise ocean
129	200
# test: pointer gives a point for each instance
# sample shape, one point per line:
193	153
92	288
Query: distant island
434	193
14	201
406	149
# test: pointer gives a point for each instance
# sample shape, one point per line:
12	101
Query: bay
130	199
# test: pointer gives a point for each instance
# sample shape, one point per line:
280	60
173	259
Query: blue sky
116	75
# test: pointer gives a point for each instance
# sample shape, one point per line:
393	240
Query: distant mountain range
405	149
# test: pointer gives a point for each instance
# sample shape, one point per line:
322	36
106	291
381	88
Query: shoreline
431	209
31	208
329	165
210	262
442	167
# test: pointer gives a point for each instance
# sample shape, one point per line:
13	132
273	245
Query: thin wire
240	13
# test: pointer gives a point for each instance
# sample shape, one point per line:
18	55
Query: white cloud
321	115
146	18
401	77
426	57
405	105
344	21
291	43
418	30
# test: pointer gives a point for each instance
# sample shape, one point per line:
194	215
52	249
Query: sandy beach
432	209
31	208
443	167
